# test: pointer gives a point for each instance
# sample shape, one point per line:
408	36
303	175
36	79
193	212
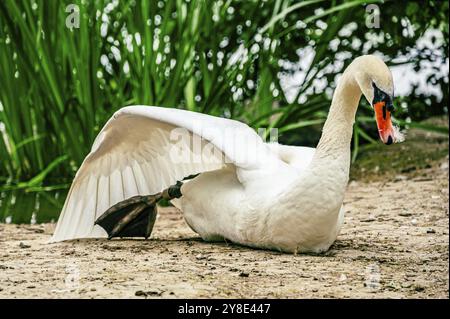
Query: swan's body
262	195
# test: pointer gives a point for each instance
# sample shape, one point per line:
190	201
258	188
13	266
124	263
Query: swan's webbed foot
135	216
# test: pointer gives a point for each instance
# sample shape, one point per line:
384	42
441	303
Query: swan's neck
325	180
322	186
333	150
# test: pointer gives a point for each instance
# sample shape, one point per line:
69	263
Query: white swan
262	195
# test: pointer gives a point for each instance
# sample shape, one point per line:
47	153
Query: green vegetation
59	85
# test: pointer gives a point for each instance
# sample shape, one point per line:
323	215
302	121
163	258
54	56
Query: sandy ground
394	244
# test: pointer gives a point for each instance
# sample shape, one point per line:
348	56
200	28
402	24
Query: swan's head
375	81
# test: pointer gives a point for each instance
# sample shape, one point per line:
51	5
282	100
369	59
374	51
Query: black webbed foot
133	217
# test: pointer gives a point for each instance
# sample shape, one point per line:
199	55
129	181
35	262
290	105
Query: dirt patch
394	244
421	150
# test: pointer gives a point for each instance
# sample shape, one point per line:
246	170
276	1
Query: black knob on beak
389	140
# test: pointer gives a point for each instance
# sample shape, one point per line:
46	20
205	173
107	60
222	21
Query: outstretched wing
143	150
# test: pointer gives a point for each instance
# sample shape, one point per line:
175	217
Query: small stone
414	222
399	178
243	274
419	288
93	289
140	293
22	245
200	257
406	285
405	214
31	287
315	290
431	231
154	293
368	220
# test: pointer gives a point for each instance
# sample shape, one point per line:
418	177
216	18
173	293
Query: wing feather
136	153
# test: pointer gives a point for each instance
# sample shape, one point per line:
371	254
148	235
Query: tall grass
59	85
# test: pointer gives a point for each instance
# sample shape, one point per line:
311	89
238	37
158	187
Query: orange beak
384	123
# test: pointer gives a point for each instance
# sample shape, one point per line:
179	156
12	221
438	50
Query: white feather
399	136
131	155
